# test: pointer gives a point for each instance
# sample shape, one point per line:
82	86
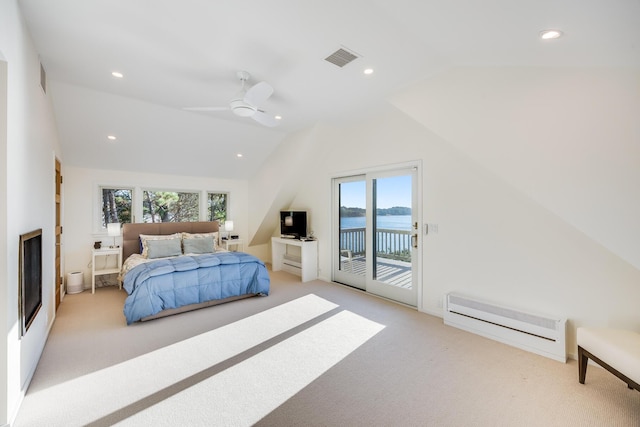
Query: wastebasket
75	282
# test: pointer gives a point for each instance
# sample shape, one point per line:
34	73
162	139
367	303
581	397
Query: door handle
414	240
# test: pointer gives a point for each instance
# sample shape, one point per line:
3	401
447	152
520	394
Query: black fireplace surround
30	278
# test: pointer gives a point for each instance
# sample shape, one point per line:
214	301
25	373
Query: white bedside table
229	243
105	252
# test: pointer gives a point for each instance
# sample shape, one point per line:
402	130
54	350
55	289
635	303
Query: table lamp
113	230
228	227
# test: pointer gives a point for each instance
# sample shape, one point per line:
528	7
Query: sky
392	191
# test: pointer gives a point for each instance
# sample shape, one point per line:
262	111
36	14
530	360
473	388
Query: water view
392	222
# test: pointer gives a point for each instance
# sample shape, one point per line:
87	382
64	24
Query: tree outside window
170	206
116	205
217	206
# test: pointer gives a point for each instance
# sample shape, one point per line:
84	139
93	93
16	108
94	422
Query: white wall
31	146
495	241
82	206
569	138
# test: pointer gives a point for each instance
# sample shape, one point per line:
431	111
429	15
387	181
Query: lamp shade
228	225
113	229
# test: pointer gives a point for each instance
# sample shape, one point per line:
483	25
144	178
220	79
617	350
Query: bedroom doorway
376	237
58	232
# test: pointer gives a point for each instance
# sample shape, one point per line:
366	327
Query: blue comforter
176	282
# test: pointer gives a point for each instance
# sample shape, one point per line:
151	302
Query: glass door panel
393	235
351	248
375	243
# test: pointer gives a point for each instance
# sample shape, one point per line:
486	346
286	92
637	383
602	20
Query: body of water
392	222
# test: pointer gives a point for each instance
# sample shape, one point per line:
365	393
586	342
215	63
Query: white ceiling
176	54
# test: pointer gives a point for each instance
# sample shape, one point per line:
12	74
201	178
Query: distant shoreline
350	212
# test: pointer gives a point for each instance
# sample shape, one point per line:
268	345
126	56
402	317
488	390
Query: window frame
157	190
98	226
137	202
227	195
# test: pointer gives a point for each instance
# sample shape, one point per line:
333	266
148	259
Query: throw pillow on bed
163	248
210	238
144	238
199	245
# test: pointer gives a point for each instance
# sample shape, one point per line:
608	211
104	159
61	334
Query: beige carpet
314	354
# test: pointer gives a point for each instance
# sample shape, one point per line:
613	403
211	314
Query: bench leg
582	365
583	358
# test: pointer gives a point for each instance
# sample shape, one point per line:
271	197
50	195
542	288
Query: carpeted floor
313	354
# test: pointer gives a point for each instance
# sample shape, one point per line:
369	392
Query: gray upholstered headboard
131	232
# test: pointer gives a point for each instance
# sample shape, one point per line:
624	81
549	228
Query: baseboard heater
542	335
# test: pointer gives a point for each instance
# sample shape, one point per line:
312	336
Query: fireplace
30	278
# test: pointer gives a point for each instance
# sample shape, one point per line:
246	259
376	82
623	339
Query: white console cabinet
295	256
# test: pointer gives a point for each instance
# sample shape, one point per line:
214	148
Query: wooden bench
617	351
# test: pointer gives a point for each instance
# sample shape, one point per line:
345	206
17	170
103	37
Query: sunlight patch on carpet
120	385
250	390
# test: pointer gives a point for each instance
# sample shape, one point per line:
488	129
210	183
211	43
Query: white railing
395	244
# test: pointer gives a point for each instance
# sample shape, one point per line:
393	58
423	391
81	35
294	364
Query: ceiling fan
245	103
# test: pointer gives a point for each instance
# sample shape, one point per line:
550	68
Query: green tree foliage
351	212
169	206
396	210
116	205
217	207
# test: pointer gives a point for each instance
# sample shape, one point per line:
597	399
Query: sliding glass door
350	253
376	233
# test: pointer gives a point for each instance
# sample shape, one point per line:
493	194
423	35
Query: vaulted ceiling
177	54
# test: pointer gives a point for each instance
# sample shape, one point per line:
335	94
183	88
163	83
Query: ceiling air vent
43	78
341	57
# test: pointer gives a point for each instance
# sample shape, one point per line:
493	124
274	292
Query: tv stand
295	256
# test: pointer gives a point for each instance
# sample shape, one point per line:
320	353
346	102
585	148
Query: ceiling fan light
550	34
242	109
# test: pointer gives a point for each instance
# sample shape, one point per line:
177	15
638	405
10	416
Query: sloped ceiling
179	54
568	138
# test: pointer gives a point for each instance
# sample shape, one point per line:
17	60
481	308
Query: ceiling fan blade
265	119
258	93
206	108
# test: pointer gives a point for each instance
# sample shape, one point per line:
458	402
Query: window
116	205
134	204
217	206
170	206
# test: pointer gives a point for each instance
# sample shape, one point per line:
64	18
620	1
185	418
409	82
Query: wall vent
341	57
43	78
536	333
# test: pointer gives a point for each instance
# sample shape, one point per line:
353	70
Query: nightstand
105	252
229	243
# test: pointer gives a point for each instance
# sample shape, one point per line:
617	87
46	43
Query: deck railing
393	244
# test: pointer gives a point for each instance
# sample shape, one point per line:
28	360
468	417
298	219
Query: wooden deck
392	272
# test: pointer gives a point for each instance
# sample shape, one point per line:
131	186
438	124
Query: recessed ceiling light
368	71
239	155
550	34
278	117
117	74
111	138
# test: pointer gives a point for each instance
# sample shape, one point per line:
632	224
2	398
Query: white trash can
75	282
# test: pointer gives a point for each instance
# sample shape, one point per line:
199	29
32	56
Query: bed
164	276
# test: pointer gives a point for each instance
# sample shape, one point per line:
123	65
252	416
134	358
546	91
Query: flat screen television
293	224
